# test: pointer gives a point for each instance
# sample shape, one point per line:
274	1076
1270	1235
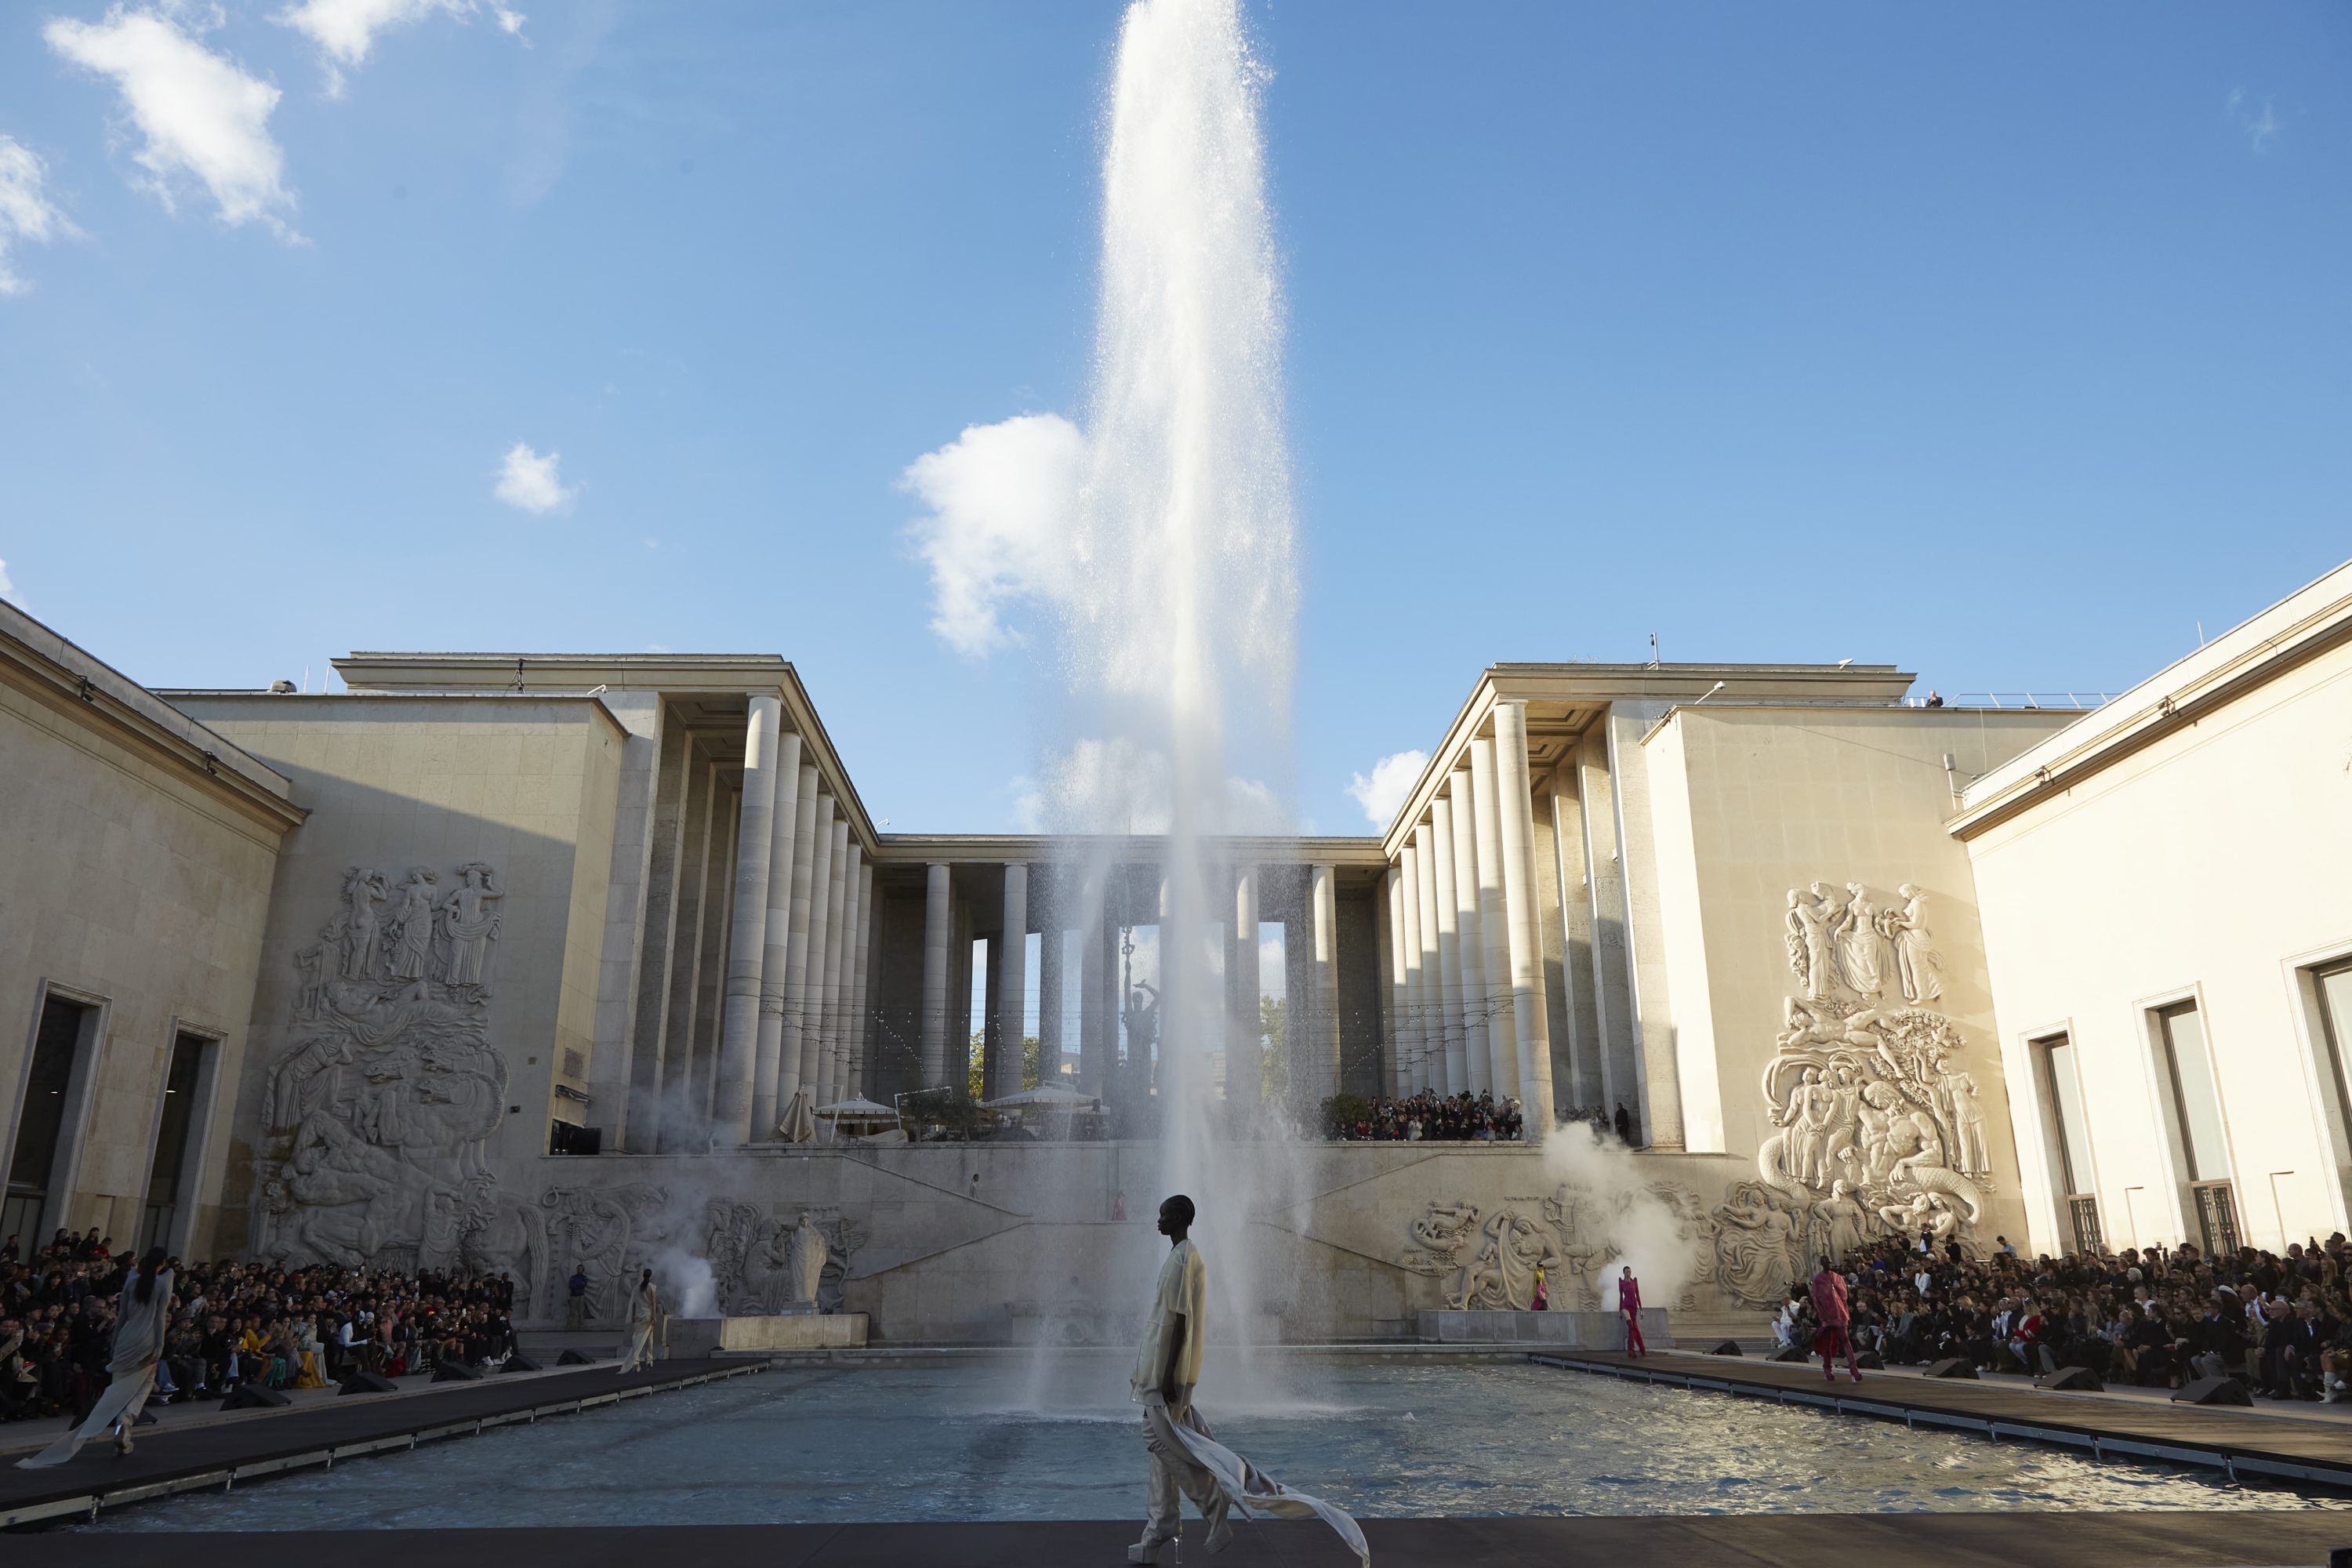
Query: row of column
1464	946
1314	1014
795	1017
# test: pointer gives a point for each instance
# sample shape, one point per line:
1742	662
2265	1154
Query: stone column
776	960
843	1027
1325	893
804	1016
1494	937
1245	1059
1474	1006
1515	811
1430	1007
806	840
937	922
632	1121
1013	981
1390	937
1050	941
861	1015
827	989
747	939
626	908
1097	1048
1449	943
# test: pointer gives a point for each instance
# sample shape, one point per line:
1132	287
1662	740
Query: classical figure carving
809	1254
610	1232
471	923
1861	945
354	928
1917	962
410	950
1876	1119
379	1108
1572	1236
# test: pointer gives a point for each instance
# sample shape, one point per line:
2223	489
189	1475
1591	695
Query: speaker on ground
2214	1391
1956	1367
1729	1347
2080	1378
457	1372
1870	1361
573	1358
368	1382
253	1397
1791	1353
518	1362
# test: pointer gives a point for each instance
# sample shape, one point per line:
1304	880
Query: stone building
544	959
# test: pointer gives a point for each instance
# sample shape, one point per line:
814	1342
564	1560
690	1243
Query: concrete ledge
1585	1331
696	1337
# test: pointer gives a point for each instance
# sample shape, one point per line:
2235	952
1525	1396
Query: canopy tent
852	1114
1049	1095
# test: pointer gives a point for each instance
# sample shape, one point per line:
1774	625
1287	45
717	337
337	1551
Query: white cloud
1003	501
1392	778
531	482
26	212
8	589
204	118
2261	124
345	30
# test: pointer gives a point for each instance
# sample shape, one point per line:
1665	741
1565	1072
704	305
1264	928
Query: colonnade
797	933
1461	941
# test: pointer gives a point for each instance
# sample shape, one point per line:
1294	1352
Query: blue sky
2007	344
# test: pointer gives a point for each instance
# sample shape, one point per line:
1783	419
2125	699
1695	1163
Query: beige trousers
1174	1472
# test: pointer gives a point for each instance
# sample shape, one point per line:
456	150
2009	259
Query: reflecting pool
998	1439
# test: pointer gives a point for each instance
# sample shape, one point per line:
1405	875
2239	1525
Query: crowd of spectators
1424	1117
2157	1317
233	1325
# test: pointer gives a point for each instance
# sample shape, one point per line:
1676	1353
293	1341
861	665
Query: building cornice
72	682
2293	632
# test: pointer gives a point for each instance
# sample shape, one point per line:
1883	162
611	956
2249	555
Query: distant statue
471	923
1810	945
411	927
1970	1152
311	980
1142	1020
808	1256
1917	962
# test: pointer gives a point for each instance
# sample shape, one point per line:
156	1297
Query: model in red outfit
1629	1302
1837	1325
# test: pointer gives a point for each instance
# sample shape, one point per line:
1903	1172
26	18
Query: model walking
1629	1307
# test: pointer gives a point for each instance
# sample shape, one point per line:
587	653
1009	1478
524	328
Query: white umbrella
798	1124
857	1112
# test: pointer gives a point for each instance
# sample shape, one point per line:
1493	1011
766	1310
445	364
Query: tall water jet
1184	587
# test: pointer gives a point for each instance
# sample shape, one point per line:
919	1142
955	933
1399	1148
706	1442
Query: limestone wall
133	885
2209	869
429	973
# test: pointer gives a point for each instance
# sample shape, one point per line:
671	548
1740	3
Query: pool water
994	1440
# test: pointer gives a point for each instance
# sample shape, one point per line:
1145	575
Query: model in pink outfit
1629	1304
1837	1324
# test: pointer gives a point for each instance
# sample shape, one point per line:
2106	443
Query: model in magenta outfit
1837	1325
1628	1303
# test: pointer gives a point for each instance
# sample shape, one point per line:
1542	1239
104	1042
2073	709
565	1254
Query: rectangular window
167	1169
41	1120
2194	1102
2334	988
2070	1135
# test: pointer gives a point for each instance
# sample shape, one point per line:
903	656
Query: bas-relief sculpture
763	1266
377	1115
1487	1261
1880	1125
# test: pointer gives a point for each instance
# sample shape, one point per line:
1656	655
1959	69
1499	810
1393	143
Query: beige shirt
1182	1293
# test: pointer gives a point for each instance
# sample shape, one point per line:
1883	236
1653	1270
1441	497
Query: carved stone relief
762	1265
1881	1128
610	1232
378	1114
1488	1261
